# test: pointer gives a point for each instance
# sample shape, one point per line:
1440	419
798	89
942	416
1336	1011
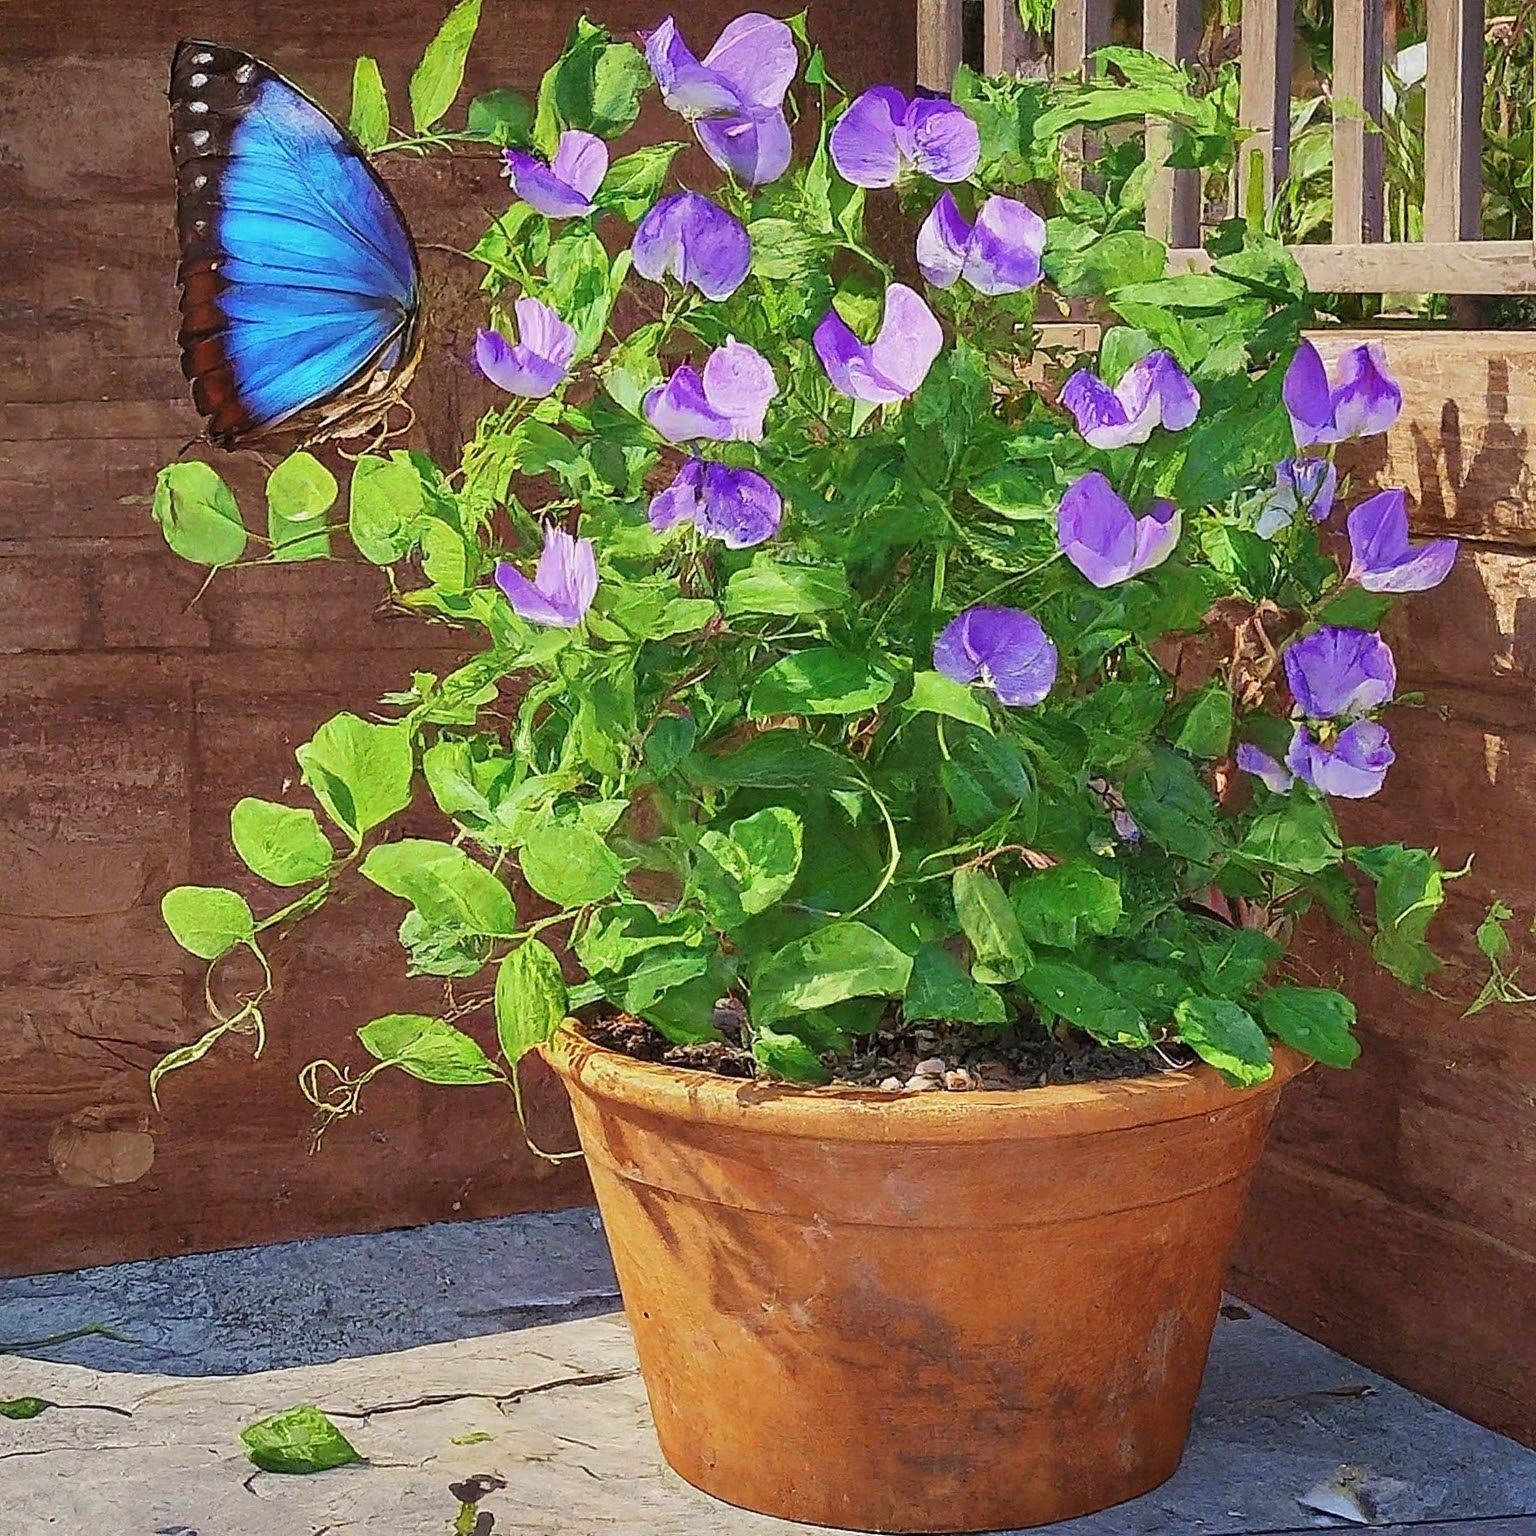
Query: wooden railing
1451	258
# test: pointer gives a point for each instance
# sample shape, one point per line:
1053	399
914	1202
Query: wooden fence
1451	258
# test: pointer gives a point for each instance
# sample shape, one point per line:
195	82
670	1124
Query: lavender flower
999	253
739	507
1261	765
1382	559
726	403
1353	767
895	363
1105	540
540	361
1358	397
1153	392
735	98
1338	673
1003	649
563	585
696	241
883	136
564	188
1299	483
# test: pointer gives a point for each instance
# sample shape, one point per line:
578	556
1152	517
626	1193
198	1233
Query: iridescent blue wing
300	291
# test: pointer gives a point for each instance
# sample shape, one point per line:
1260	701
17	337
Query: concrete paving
467	1350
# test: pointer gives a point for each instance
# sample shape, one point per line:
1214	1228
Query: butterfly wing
300	290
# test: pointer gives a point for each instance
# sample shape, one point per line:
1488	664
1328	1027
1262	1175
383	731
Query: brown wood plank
1081	26
1453	130
1358	180
1265	98
1478	266
1007	49
940	43
1171	30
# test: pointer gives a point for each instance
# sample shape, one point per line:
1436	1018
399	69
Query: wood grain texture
1453	120
1264	102
1171	30
131	719
1358	179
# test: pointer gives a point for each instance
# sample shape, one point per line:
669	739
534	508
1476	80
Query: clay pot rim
868	1114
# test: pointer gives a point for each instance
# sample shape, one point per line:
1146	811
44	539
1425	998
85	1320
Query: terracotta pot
932	1312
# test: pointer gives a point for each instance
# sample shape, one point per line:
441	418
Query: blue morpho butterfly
300	288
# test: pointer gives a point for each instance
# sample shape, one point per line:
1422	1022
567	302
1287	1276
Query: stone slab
557	1409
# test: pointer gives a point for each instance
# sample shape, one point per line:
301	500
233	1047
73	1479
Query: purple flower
540	361
1359	400
895	363
1105	540
564	188
726	403
735	98
1261	765
696	241
1000	253
739	507
1353	767
1003	649
1338	673
1299	483
1153	392
562	587
883	136
1382	558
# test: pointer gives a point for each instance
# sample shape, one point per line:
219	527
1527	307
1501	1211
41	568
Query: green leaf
594	85
1491	937
772	586
634	181
428	1049
438	77
1299	838
1189	290
760	856
778	759
530	999
667	743
789	1057
940	989
1228	1037
785	251
368	121
1069	992
504	117
935	694
1205	726
1233	961
298	1440
1355	608
300	491
1063	905
821	681
844	959
984	778
1172	805
206	920
1314	1020
25	1407
988	922
1410	890
384	507
1108	263
1023	492
570	865
444	884
359	772
660	972
281	843
198	514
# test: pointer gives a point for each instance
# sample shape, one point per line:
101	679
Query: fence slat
940	43
1264	102
1081	26
1171	30
1465	266
1453	120
1359	193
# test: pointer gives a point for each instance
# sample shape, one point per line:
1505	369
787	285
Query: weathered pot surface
925	1312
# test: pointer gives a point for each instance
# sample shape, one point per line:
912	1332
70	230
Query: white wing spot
202	58
200	138
197	106
199	182
197	82
245	73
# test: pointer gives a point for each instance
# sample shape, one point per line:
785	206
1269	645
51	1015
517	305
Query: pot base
985	1312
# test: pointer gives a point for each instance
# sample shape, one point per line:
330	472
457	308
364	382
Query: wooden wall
1395	1214
131	719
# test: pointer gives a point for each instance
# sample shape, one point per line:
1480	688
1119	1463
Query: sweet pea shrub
848	645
